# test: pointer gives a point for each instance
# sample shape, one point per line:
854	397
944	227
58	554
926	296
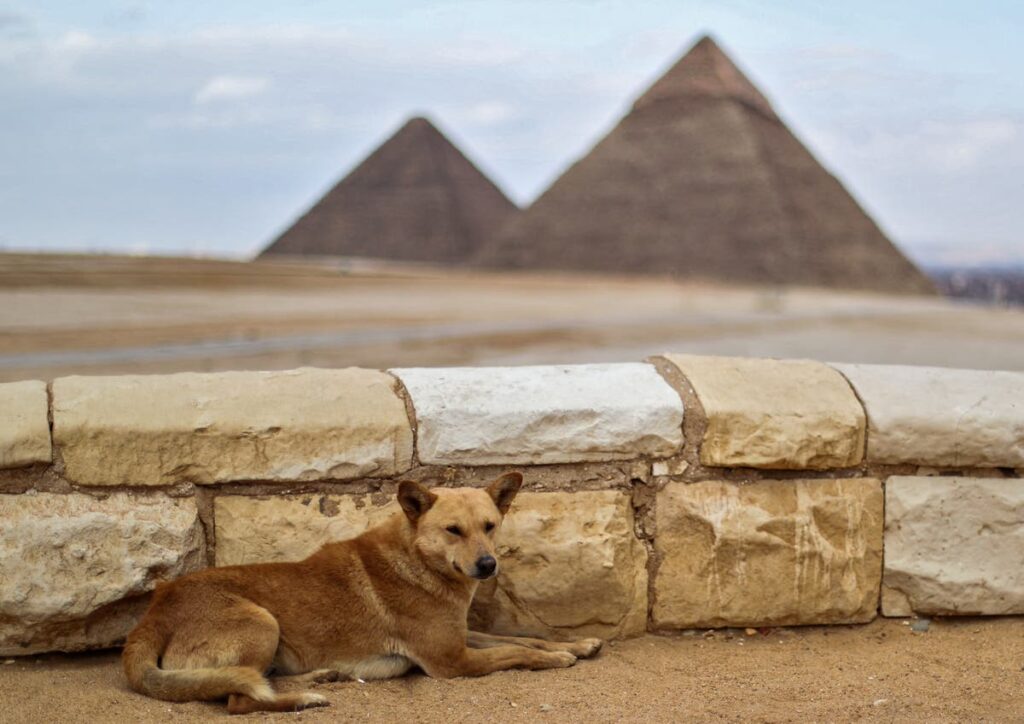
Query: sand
959	670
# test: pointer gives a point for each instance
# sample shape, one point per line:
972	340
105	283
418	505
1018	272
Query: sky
207	127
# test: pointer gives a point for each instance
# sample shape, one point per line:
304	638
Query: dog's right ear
414	499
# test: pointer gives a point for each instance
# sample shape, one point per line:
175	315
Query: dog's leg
462	661
582	649
241	704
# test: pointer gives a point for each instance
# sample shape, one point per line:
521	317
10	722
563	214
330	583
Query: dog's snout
485	566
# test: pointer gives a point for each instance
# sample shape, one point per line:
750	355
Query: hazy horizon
192	128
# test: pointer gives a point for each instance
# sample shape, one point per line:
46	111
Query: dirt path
959	670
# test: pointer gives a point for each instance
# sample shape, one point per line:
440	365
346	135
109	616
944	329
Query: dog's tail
141	658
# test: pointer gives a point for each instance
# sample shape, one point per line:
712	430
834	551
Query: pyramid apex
705	70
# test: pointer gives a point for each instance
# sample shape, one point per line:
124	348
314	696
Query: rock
290	527
762	413
305	424
920	625
25	433
74	567
953	546
570	566
534	415
935	416
775	552
669	467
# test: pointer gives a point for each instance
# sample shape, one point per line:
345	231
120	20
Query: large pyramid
416	198
702	179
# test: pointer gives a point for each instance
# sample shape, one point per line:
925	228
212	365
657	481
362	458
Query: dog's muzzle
485	567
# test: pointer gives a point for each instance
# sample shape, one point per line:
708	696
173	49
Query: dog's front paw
324	676
562	659
585	648
308	700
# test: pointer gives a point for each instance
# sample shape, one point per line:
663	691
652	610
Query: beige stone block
304	424
73	567
570	565
24	427
776	414
936	416
774	552
953	546
290	527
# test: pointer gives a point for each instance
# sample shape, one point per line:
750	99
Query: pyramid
415	198
701	179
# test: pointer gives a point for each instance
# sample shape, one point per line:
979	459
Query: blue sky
205	127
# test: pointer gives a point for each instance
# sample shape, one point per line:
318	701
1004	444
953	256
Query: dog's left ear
414	499
504	489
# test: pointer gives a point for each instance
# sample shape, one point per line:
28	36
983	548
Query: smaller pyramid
415	198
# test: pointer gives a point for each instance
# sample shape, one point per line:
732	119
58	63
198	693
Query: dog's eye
454	530
489	526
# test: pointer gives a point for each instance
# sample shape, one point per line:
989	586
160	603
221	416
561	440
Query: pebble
751	632
920	625
879	702
8	662
546	707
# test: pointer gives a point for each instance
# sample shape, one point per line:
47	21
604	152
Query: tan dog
369	608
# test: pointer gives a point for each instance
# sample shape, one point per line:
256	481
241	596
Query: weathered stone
953	546
304	424
24	428
936	416
290	527
571	566
553	414
775	552
73	568
763	413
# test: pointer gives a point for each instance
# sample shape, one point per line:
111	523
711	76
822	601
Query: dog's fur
367	608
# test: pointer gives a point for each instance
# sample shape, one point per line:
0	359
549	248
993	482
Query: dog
371	607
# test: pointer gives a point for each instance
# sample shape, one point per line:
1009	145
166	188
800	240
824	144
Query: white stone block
953	546
936	416
24	428
550	414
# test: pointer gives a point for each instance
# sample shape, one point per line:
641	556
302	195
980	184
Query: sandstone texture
550	414
570	565
782	414
24	428
777	552
73	568
291	527
953	546
936	416
303	424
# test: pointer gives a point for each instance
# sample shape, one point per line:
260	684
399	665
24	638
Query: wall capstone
935	416
775	414
305	424
550	414
24	427
953	546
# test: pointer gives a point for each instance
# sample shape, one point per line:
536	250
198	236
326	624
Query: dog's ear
414	499
504	489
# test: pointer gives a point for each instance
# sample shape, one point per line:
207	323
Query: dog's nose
485	566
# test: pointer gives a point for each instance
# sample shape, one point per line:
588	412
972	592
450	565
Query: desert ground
958	670
64	315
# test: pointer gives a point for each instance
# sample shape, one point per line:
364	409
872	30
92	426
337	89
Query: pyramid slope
416	198
701	179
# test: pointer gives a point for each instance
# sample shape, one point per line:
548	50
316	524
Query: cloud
230	88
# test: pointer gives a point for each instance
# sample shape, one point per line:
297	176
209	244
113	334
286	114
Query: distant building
416	198
701	179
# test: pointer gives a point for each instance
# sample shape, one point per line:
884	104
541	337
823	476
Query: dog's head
457	528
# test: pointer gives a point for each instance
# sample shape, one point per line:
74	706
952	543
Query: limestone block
303	424
935	416
24	428
953	546
774	552
290	527
570	566
73	567
551	414
762	413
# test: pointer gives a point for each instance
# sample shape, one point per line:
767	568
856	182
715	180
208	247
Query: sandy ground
73	315
959	670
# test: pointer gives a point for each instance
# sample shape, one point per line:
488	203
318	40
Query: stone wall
675	493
